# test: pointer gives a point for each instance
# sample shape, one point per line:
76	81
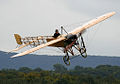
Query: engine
71	37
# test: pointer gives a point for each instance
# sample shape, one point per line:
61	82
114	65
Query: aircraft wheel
83	52
66	60
84	55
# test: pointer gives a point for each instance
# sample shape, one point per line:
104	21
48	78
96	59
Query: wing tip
14	56
113	12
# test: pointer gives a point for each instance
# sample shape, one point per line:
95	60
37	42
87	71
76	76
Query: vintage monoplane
66	41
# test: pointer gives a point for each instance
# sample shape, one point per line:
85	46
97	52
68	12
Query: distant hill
46	62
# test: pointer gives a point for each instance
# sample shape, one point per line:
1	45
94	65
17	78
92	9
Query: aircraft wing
39	47
91	23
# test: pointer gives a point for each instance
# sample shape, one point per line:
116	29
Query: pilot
56	34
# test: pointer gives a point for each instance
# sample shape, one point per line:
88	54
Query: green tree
25	69
37	69
59	68
77	68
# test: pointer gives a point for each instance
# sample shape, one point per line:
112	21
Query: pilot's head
56	31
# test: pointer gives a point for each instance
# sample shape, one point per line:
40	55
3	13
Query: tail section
18	39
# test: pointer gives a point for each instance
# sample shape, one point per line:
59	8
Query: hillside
46	62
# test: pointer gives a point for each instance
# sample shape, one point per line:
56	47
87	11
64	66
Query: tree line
102	74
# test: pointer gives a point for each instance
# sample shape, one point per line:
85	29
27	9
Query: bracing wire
76	23
90	42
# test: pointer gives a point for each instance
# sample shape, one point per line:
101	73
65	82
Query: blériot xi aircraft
66	41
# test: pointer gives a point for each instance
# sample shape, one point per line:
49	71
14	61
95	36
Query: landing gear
83	52
72	42
82	49
66	59
69	49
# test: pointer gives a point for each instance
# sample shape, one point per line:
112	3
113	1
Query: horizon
56	55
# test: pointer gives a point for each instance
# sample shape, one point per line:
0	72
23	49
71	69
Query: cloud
94	7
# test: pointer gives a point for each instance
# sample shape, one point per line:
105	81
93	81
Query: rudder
18	39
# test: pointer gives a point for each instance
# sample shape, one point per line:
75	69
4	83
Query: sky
42	17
